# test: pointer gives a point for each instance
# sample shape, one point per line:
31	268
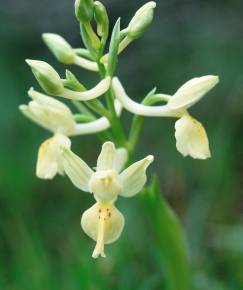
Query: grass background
41	244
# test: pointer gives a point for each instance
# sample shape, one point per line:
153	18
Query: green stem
138	121
82	109
116	125
82	118
98	108
83	52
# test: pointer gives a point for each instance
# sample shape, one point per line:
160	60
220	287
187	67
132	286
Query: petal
49	155
105	185
121	159
134	177
77	170
192	91
106	159
29	114
48	102
191	138
53	120
104	224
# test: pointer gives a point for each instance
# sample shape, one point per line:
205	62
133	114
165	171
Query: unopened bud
59	47
46	76
84	10
101	18
141	20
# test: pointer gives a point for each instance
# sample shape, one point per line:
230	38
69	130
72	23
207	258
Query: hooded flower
191	137
52	84
103	222
56	117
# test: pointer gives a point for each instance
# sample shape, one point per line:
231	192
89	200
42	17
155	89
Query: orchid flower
56	117
191	137
52	84
103	222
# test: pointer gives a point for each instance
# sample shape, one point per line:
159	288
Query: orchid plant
99	112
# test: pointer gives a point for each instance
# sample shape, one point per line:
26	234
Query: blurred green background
41	243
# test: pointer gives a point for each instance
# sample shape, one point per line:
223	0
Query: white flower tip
30	62
108	145
47	35
152	4
96	254
23	107
150	158
31	92
33	62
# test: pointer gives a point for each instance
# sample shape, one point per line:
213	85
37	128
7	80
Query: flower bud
101	18
46	76
84	10
59	47
141	20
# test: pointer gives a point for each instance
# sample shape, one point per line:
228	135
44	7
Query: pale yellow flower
56	117
103	222
191	137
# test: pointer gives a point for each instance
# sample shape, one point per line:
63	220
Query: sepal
59	47
46	76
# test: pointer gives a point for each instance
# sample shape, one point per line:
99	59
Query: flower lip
191	138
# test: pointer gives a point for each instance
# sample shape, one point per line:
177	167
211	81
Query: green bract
141	20
84	10
46	76
59	47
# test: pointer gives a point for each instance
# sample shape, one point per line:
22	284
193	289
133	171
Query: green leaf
169	237
113	49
